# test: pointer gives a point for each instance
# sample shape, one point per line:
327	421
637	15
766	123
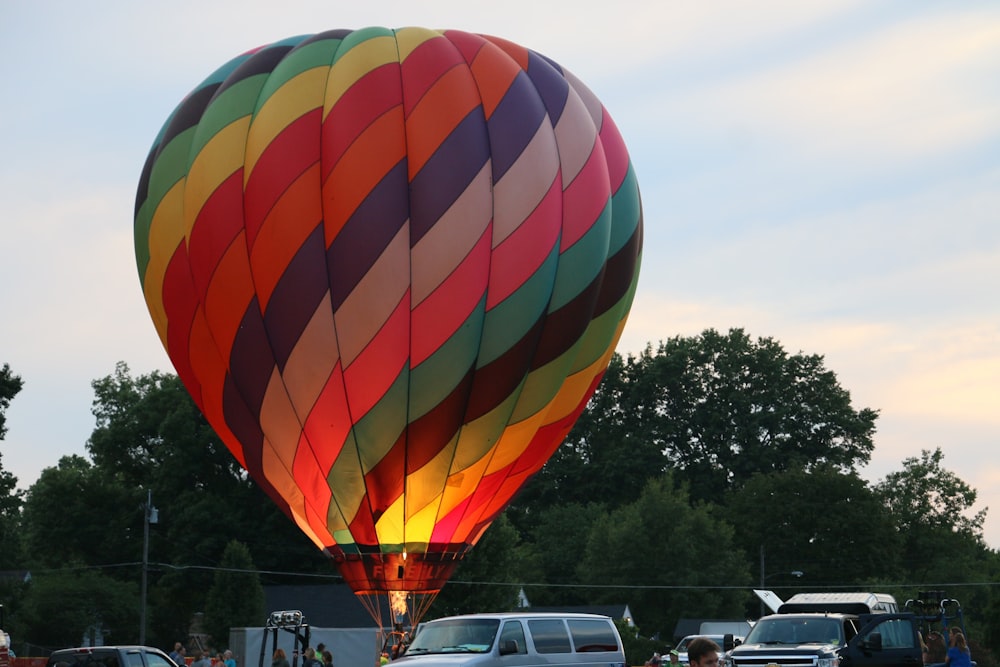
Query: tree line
702	468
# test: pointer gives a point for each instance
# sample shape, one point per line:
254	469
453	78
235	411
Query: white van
518	638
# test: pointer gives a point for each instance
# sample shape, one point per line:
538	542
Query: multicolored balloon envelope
391	267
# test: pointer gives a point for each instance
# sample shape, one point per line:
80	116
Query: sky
823	173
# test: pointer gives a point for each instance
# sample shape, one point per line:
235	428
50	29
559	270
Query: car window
896	633
157	660
590	635
549	635
133	659
513	630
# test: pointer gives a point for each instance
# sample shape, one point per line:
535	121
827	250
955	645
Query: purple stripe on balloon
618	273
552	87
367	232
250	364
513	124
187	115
244	424
563	327
262	62
448	172
296	296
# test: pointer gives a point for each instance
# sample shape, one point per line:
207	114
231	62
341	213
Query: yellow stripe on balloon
295	98
354	65
409	39
221	156
462	485
389	526
420	526
166	233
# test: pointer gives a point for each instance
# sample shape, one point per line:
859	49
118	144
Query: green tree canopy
716	409
79	514
823	522
482	580
668	556
236	598
933	512
63	608
10	496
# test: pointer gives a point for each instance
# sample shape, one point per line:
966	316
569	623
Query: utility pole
150	515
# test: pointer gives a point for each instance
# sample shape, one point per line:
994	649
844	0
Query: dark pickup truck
830	640
110	656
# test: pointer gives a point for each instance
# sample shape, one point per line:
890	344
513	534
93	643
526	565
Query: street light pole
150	515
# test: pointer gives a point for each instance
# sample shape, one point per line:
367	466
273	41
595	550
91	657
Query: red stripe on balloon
179	304
518	53
217	225
380	363
520	255
283	160
328	425
585	199
615	153
294	218
384	482
370	97
372	155
444	310
229	295
425	65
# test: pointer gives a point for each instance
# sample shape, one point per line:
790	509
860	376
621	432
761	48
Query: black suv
110	656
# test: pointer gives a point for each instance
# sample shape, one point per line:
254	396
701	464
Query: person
309	658
227	658
703	652
201	659
958	650
177	655
279	659
654	661
327	659
675	658
935	648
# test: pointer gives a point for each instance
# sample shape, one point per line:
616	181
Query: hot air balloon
390	266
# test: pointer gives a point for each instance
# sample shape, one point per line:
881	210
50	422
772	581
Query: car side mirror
873	642
727	642
508	646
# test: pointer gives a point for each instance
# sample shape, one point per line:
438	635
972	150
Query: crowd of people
311	657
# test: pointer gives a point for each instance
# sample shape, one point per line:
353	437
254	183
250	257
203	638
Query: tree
727	407
10	386
484	579
77	514
932	509
560	530
714	408
671	560
236	598
823	522
10	496
63	608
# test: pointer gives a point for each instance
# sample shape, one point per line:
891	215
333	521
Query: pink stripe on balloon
585	198
444	310
379	364
518	257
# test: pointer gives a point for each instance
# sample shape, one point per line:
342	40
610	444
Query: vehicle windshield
795	631
455	635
